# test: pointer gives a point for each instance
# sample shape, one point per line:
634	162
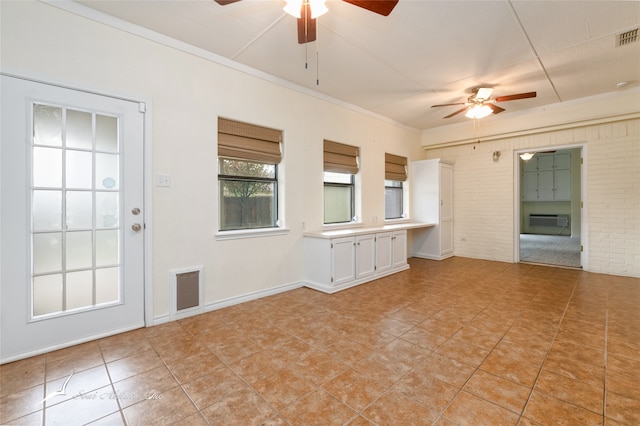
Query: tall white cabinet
432	198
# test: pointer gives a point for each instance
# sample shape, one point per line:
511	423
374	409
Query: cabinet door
562	185
446	238
530	186
342	260
545	185
384	251
562	161
446	193
530	165
365	255
545	161
399	240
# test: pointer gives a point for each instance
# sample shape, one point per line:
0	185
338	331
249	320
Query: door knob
136	227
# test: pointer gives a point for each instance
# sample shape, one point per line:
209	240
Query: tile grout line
553	340
113	389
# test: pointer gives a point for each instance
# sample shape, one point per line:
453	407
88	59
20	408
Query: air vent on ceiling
627	37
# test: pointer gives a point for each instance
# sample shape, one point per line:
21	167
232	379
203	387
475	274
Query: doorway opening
549	218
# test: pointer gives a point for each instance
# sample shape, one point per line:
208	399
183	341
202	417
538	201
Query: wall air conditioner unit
553	220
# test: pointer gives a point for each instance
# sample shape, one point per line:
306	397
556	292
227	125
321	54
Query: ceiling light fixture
526	156
479	111
294	7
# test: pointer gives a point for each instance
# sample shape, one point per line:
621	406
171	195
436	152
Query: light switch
163	181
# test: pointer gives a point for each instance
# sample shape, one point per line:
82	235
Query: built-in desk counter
343	258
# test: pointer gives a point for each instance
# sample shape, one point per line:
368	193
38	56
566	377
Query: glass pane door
75	198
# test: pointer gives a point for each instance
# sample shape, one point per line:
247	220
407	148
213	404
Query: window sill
250	233
338	226
399	220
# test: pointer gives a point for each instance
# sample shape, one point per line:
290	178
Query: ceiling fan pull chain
317	53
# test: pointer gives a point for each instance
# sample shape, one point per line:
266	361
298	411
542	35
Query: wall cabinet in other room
547	177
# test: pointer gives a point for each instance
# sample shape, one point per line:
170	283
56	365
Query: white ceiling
424	53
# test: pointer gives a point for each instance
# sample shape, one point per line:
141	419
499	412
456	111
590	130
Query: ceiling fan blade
457	112
381	7
496	109
225	2
483	93
306	25
441	105
514	97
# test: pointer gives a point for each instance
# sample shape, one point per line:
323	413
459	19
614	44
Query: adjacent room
306	212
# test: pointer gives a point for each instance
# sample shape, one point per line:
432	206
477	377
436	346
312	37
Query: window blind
243	141
395	167
340	158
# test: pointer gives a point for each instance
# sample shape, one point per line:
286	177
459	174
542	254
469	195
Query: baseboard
334	289
432	257
227	302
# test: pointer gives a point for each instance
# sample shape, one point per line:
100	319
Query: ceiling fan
303	10
480	104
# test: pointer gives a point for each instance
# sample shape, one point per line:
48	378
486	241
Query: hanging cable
306	33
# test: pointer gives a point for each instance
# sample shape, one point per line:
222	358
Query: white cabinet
384	251
547	177
432	198
333	264
399	248
342	260
365	255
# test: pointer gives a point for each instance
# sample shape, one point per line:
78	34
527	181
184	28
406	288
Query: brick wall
484	194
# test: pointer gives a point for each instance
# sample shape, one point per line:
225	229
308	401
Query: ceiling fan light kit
479	111
294	7
480	104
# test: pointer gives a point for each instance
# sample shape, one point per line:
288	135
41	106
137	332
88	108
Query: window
338	197
248	158
340	168
395	171
393	199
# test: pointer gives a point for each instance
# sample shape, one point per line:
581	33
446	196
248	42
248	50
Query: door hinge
331	245
581	160
581	248
331	279
142	107
581	204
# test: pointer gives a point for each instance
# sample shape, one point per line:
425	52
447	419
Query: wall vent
553	220
186	291
627	38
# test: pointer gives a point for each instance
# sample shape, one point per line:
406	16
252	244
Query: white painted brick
484	194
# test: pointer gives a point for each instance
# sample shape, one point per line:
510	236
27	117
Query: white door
72	250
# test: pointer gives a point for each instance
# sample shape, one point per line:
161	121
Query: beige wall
187	93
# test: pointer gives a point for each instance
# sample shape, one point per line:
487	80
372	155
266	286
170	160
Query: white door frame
145	108
583	198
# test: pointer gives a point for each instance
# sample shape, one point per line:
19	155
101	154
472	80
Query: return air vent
627	38
187	291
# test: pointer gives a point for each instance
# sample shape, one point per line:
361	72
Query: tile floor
459	341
